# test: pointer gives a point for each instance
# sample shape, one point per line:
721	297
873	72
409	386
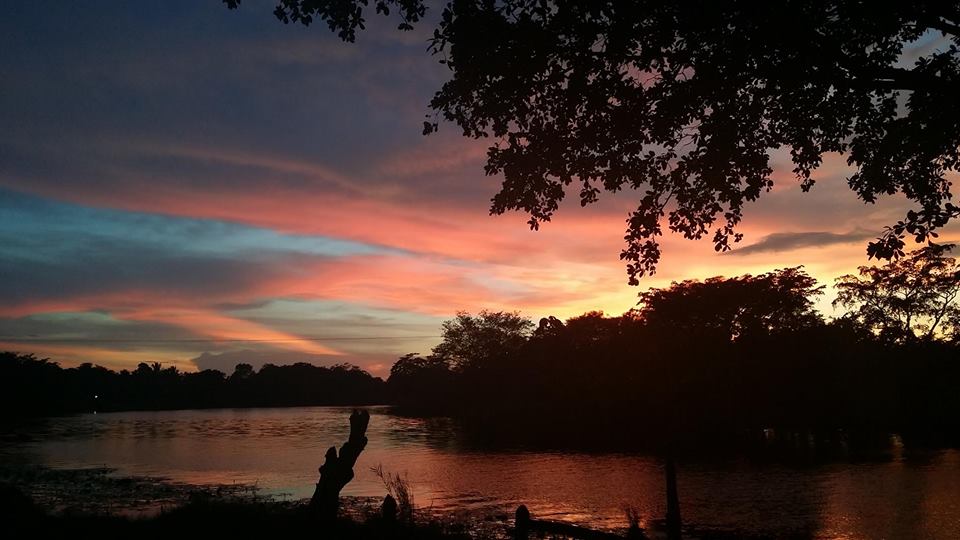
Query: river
901	495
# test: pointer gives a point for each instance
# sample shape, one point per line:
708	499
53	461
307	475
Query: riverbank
19	517
101	501
903	491
42	501
101	491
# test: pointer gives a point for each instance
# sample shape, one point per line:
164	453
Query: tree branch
936	23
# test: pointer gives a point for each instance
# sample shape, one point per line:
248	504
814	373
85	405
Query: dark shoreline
39	501
795	449
97	500
10	419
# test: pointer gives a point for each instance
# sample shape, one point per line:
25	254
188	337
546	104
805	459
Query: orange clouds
220	328
284	132
437	254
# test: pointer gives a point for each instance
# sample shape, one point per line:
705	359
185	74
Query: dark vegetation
31	386
720	356
683	102
699	362
29	507
207	517
625	379
218	518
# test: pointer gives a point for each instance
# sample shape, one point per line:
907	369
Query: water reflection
794	485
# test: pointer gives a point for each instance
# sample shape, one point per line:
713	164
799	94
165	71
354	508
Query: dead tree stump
337	470
521	524
388	510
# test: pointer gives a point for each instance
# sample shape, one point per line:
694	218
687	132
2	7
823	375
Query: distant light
95	396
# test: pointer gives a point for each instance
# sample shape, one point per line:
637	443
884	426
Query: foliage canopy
730	309
683	102
469	340
908	299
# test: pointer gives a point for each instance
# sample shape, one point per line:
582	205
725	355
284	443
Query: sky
196	186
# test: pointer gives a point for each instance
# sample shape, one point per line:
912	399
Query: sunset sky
197	186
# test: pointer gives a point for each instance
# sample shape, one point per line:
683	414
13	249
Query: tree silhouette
683	101
730	309
343	16
31	386
420	384
242	372
912	298
470	341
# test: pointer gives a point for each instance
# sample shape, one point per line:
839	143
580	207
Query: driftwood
337	470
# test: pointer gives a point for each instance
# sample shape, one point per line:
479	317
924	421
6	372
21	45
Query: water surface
902	495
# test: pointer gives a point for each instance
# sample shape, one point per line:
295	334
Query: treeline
597	376
721	356
30	386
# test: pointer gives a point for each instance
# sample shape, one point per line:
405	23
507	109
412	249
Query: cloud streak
789	241
262	181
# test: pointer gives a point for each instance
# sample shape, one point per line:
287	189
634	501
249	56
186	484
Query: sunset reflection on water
906	494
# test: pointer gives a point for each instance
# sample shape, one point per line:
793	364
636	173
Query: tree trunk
337	471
